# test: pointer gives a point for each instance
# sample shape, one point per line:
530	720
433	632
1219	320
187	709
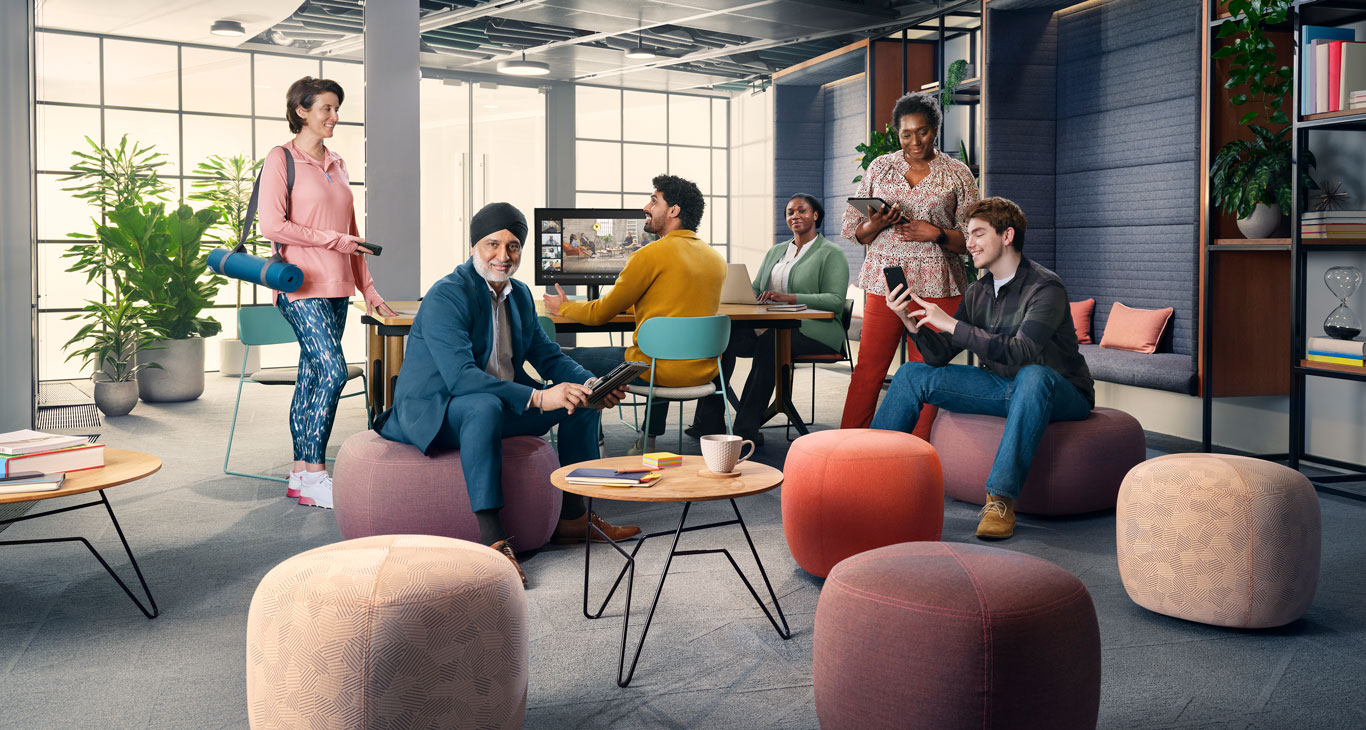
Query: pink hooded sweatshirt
321	231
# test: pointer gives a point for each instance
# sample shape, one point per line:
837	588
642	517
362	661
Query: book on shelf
32	482
1336	347
1334	235
1352	74
75	458
1312	38
1334	228
32	442
1331	215
1311	357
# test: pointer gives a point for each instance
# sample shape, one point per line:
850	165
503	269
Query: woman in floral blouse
921	232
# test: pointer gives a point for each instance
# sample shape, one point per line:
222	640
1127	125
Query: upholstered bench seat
1159	370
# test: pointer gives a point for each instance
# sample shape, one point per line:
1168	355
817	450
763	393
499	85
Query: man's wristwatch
942	238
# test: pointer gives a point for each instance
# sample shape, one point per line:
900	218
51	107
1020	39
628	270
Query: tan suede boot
997	518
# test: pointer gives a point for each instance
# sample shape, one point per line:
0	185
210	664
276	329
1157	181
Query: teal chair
682	338
264	325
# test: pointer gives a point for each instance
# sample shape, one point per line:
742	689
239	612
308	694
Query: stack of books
46	453
661	460
1357	100
31	482
1340	352
1332	68
1333	224
611	478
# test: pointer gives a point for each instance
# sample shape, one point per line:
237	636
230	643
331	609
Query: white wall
751	177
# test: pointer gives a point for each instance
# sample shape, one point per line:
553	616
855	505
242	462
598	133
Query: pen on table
642	470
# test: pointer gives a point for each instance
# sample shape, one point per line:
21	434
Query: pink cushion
1081	319
1136	330
952	636
385	488
1223	540
1077	468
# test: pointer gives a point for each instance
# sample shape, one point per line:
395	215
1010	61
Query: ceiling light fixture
639	50
227	28
523	67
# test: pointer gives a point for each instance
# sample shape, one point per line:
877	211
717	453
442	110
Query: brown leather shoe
997	518
568	532
505	547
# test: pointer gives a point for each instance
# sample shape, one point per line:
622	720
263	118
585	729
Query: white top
998	283
782	270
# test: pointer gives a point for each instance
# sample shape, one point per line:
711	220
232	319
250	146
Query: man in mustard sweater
678	275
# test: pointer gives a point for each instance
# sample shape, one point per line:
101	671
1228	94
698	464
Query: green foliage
228	193
878	144
111	337
953	76
1248	172
163	263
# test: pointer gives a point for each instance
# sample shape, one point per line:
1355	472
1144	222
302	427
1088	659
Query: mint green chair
263	324
682	338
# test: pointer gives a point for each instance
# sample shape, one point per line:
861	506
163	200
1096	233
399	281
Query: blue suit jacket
448	349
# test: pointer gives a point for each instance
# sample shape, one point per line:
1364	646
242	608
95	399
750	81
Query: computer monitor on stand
587	246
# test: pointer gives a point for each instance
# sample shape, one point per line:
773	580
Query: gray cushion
690	393
288	376
1160	370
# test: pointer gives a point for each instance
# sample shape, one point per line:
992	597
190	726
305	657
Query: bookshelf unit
1302	249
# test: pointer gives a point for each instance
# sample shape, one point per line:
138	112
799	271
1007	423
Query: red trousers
882	332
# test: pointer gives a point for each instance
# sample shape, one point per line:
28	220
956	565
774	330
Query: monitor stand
594	291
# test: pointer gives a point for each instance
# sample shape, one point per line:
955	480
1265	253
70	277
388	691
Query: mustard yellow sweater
677	276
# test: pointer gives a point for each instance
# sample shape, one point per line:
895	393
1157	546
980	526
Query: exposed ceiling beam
912	19
432	21
600	36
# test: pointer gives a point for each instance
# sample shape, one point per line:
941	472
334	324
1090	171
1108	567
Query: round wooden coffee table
120	467
676	484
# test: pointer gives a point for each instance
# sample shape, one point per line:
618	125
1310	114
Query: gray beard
487	273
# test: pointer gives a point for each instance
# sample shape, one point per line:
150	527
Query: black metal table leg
104	499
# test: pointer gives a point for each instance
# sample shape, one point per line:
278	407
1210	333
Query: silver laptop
737	289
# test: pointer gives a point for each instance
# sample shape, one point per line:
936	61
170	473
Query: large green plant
165	265
112	335
226	187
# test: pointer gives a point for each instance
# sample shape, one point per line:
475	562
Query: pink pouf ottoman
1223	540
380	487
396	631
955	637
1077	469
850	490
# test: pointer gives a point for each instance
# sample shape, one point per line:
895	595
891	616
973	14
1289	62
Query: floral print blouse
940	198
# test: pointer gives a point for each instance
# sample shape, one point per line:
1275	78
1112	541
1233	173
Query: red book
1334	75
76	458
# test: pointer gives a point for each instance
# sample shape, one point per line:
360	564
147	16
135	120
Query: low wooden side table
120	467
677	484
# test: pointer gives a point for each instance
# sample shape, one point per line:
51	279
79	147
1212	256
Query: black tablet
868	206
620	375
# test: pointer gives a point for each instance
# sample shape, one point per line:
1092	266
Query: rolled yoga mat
277	275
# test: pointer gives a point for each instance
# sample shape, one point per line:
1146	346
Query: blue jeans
600	360
1035	397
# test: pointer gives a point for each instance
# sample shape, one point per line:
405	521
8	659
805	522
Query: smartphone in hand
895	276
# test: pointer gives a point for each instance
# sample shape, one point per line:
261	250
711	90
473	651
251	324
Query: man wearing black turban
463	384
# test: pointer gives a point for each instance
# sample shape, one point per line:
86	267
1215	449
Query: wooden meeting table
384	345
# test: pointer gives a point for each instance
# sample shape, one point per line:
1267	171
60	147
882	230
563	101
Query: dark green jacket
820	280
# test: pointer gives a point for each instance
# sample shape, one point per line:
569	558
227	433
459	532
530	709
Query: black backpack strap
249	221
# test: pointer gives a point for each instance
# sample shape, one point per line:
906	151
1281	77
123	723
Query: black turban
495	217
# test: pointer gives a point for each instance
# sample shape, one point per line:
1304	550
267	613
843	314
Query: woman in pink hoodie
315	227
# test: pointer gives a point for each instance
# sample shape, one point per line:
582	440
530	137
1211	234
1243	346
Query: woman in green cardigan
807	269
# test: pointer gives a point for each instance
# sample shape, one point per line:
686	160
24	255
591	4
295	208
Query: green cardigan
820	280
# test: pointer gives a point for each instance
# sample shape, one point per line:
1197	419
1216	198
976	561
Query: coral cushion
1081	319
1136	330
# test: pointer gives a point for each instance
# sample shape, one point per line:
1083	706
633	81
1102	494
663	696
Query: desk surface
120	467
676	484
734	311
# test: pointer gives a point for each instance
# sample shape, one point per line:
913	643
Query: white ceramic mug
722	452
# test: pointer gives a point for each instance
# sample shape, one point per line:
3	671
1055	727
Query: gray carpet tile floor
75	653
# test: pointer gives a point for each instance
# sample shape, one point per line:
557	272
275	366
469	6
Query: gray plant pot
1262	222
116	398
181	376
230	358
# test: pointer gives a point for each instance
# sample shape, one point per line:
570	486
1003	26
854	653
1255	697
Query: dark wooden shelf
1330	12
1250	244
1342	119
1328	243
1332	370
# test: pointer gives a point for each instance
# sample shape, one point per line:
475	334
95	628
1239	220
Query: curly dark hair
914	103
685	195
811	201
302	93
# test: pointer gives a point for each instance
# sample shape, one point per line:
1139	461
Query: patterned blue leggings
318	323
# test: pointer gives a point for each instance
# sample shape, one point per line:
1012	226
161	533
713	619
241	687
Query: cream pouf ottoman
389	631
1222	540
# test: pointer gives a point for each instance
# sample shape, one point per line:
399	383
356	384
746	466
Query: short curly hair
815	204
685	195
915	103
1000	214
302	93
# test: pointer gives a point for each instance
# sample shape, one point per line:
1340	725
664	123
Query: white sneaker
317	494
294	484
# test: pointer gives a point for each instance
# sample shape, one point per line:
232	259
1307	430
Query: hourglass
1342	323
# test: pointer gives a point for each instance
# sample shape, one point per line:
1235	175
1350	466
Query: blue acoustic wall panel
1128	83
798	134
1021	120
846	127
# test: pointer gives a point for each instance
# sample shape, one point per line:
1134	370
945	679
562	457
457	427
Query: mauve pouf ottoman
850	490
952	636
1077	469
396	631
1222	540
380	487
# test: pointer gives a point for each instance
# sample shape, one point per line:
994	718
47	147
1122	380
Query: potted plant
162	264
109	340
227	189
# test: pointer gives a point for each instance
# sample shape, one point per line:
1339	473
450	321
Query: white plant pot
230	358
1262	222
116	398
181	375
